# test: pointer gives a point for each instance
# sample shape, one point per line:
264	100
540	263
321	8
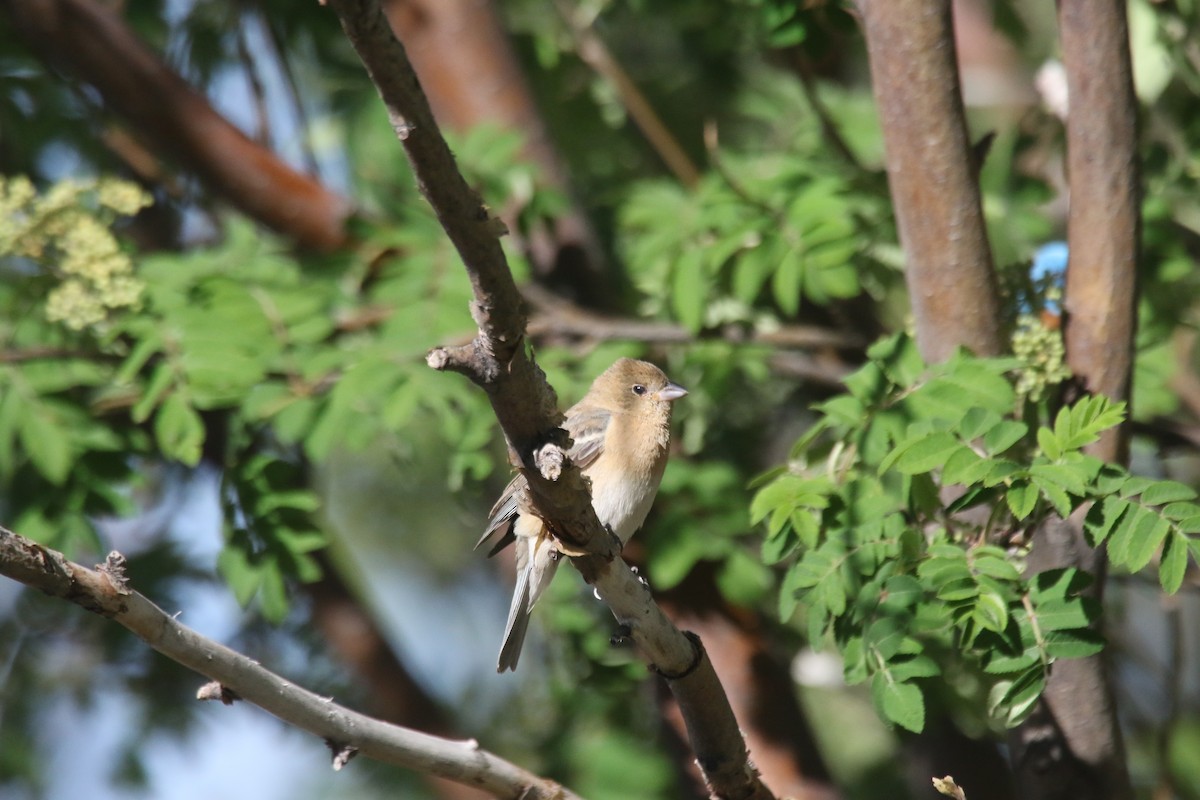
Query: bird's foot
621	637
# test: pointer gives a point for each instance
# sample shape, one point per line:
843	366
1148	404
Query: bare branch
935	194
526	408
105	592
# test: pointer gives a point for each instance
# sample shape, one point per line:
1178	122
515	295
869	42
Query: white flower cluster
66	232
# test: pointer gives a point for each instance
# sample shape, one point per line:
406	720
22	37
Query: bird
620	432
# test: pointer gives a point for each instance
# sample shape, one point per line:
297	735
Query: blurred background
220	281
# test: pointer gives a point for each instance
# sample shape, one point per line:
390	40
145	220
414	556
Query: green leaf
991	612
137	358
1102	518
1174	563
964	466
854	661
919	666
272	595
958	590
998	663
900	703
241	576
1049	444
1018	698
978	421
1074	643
744	580
1055	495
1058	615
1163	492
788	281
996	566
1071	477
156	387
902	592
47	443
1004	435
778	547
1134	527
689	290
1145	544
1021	499
923	453
179	431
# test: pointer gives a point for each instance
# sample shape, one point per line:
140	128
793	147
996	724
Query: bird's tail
518	624
532	579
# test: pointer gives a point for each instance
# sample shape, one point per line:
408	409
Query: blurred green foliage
877	538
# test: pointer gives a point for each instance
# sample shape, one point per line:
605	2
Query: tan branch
106	591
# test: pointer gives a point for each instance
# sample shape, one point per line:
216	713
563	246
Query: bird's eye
639	389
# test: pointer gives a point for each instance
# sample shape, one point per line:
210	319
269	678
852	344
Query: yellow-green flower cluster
1044	356
67	233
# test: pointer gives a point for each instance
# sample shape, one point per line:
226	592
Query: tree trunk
1071	747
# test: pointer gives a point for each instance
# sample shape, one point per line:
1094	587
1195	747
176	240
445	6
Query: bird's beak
672	391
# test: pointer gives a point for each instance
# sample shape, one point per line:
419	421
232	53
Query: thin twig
595	53
829	129
105	591
555	315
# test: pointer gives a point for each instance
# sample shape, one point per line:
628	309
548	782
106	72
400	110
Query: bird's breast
623	503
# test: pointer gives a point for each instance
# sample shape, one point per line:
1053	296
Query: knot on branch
113	568
698	656
471	360
549	460
342	753
215	690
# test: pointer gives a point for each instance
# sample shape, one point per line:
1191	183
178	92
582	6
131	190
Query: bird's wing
503	516
587	428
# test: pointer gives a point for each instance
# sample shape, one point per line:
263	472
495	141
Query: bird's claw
621	637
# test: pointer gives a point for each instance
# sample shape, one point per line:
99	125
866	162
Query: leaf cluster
905	514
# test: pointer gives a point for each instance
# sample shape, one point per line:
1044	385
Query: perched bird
620	432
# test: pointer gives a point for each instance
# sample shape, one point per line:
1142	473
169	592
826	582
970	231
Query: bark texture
1072	746
935	192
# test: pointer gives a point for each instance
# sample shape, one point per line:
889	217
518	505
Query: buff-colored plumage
620	430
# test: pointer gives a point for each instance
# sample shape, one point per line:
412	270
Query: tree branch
105	591
526	408
951	283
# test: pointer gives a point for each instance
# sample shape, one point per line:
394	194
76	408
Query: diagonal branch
105	591
526	408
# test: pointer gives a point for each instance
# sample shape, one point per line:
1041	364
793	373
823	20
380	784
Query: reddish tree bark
935	194
92	43
1072	746
470	73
